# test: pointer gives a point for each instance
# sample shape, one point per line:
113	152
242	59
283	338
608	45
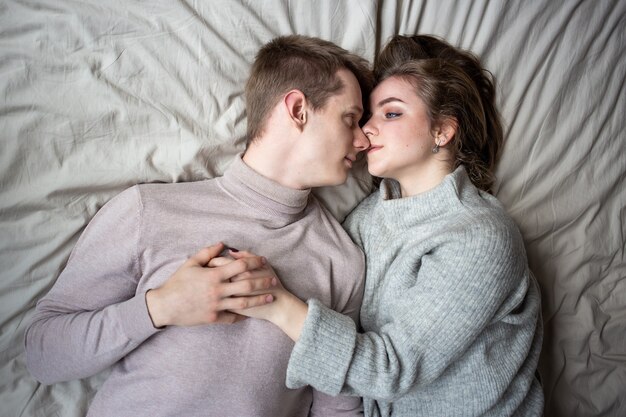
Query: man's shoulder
329	224
174	191
317	208
345	257
185	186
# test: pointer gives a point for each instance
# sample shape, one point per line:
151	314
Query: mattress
101	95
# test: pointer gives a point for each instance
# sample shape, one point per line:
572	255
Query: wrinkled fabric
97	96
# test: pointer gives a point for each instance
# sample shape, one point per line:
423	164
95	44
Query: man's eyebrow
388	100
356	108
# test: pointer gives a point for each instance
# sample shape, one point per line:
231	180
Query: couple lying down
423	306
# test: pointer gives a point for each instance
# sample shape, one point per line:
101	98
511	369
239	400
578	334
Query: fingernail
263	260
233	250
274	282
269	298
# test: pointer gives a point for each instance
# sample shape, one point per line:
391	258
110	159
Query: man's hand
198	293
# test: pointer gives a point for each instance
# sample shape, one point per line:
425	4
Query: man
125	301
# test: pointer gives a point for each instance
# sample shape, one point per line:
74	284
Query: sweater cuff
322	355
135	319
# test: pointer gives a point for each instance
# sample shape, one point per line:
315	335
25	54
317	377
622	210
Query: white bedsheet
100	95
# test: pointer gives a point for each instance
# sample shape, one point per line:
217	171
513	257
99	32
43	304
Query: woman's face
399	131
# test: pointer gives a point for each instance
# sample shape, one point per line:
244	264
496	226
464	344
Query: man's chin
338	179
343	177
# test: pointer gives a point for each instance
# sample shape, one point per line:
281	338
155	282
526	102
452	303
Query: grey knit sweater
451	313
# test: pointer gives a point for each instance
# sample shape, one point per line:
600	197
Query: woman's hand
286	310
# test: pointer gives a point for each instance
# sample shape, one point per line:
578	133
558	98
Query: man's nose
361	142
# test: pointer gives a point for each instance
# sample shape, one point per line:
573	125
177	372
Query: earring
436	147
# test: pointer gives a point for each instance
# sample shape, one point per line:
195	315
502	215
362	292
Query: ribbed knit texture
95	316
451	313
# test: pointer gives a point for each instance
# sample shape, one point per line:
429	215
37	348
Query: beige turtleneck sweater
95	316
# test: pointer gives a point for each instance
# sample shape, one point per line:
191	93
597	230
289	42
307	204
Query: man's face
333	137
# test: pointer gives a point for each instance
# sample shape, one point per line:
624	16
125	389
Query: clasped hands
209	289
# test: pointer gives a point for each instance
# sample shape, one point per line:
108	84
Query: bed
100	95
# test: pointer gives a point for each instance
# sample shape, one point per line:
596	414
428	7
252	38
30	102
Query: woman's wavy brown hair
453	85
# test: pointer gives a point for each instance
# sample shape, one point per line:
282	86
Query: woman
451	314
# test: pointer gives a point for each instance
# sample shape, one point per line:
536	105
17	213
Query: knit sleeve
458	289
92	317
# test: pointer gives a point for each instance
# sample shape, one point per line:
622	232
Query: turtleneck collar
260	192
452	191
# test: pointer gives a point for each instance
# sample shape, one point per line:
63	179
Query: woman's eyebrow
388	100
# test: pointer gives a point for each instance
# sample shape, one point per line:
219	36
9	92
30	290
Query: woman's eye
392	115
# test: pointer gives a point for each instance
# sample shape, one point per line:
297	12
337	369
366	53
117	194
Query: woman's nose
369	130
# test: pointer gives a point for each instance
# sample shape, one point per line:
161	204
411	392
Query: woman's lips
373	149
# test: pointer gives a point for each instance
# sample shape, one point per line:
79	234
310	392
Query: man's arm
92	317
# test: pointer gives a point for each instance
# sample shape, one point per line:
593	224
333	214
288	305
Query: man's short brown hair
303	63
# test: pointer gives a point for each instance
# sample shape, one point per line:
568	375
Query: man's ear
295	103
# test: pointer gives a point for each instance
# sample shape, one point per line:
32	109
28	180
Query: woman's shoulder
487	211
357	218
479	216
486	227
366	205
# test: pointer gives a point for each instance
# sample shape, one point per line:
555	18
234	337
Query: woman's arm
419	333
286	310
426	328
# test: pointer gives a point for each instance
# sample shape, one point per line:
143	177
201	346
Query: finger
248	286
229	317
244	254
241	265
263	272
239	317
242	303
241	254
219	261
203	257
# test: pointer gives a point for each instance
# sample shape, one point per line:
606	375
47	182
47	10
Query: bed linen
100	95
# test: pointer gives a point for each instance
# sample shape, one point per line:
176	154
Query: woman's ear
446	131
295	104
